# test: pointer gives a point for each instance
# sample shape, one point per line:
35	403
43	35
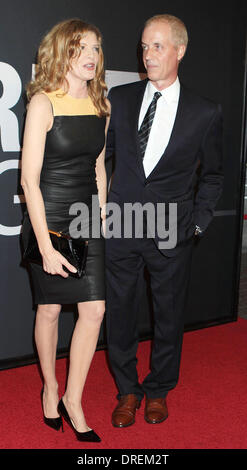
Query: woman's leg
83	345
46	335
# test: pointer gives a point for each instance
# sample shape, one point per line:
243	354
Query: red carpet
207	410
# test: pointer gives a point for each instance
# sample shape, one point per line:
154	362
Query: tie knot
156	96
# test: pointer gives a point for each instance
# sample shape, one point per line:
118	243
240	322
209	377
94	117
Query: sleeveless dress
68	181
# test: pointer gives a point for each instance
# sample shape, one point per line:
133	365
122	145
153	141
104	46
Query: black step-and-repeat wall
214	66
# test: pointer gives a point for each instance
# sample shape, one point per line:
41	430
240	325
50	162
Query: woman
63	163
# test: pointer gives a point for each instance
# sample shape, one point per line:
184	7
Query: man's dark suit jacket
196	139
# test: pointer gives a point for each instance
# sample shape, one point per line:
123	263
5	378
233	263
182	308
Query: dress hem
93	298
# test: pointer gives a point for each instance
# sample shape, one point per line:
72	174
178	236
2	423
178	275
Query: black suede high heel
88	436
54	423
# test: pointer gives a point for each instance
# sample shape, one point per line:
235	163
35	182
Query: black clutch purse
74	250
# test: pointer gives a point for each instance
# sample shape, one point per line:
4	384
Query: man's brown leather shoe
155	410
124	413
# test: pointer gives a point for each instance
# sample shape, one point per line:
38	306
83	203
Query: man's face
160	56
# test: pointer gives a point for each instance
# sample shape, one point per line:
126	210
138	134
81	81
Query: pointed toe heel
54	423
88	436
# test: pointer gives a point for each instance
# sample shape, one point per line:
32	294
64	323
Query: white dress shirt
162	124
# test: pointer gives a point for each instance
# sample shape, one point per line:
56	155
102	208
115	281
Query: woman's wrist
46	249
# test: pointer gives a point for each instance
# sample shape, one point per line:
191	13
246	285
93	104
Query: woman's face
84	66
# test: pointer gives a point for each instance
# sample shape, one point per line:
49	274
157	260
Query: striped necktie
147	122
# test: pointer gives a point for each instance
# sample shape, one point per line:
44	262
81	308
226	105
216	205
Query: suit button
147	183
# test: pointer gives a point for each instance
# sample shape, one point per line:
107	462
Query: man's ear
181	52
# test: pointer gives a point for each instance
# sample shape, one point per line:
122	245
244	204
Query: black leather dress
68	180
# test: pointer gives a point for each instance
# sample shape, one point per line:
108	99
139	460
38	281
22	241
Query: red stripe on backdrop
207	410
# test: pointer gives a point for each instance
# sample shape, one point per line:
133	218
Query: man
160	133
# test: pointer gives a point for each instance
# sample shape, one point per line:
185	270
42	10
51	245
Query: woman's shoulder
40	99
40	107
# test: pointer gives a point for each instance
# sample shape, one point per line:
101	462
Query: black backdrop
214	66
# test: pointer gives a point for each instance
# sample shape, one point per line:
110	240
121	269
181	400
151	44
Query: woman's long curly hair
57	49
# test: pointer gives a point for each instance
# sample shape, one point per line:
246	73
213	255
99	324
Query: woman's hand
53	263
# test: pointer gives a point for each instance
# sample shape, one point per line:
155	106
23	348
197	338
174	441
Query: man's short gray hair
179	34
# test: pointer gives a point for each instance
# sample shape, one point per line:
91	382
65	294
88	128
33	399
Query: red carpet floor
207	410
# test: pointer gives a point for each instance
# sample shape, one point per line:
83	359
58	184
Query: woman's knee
49	312
92	311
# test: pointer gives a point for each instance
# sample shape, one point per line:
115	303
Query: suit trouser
169	277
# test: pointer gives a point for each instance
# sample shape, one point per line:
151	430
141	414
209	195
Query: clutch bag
74	250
